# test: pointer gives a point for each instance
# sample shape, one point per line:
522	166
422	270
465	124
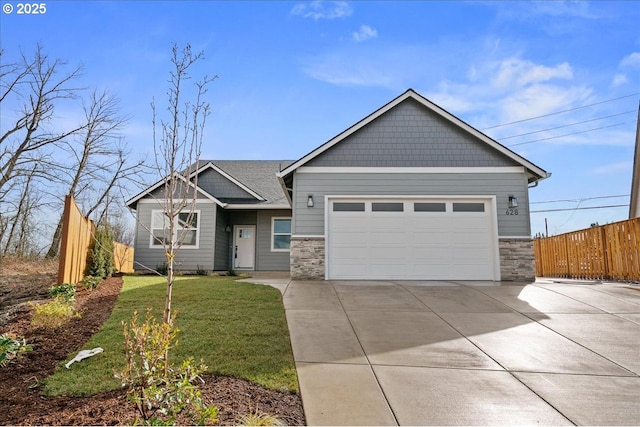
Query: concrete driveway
470	353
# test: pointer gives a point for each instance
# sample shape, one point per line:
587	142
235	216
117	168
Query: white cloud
516	71
540	99
619	80
451	102
573	9
365	33
613	168
319	9
631	61
358	71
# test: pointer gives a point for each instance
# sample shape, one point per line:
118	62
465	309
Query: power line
565	126
570	134
580	200
560	112
580	209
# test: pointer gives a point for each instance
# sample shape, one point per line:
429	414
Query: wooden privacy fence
77	237
608	252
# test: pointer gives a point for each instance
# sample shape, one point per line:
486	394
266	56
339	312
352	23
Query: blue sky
294	74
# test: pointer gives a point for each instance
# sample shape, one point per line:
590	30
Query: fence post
605	252
64	242
566	254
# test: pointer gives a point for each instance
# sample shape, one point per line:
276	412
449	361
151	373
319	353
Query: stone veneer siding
517	260
307	257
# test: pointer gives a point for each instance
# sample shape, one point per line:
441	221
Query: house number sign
512	211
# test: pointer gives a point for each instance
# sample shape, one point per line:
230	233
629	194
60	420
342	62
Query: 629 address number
511	212
31	8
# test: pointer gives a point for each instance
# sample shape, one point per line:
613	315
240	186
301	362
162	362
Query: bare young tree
177	146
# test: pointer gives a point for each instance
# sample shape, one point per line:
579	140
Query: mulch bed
21	401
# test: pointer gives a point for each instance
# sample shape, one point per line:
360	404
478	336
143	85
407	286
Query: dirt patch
21	402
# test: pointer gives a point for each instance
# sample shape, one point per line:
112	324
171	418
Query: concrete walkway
465	353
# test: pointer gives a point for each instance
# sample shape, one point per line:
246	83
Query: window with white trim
186	229
280	234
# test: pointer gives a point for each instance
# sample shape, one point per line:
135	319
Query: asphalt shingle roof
258	175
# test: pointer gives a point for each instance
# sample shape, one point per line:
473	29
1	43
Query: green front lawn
238	329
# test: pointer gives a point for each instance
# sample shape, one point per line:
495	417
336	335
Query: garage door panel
411	244
424	236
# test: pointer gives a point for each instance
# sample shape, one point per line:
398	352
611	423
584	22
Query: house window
186	229
280	234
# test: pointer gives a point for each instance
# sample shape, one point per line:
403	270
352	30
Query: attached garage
411	192
414	238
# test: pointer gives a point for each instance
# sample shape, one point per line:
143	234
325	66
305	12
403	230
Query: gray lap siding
187	259
215	242
310	221
266	259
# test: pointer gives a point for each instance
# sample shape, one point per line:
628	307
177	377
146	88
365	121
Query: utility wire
580	209
570	134
570	124
560	112
579	200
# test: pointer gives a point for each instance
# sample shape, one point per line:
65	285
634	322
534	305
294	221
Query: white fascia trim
160	202
400	170
433	107
258	207
162	181
210	165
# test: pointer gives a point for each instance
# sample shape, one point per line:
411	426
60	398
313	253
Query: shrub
91	282
200	271
66	291
100	263
162	269
53	314
11	348
159	390
231	272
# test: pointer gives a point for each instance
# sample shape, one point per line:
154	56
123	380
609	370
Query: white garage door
411	239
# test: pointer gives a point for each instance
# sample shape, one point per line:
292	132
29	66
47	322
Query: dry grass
14	266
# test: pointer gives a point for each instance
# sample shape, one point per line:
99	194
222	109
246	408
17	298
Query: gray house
410	192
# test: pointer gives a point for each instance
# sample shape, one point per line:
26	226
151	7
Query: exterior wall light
310	201
513	201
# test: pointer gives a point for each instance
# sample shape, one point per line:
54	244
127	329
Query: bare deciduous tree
43	157
37	84
177	145
99	159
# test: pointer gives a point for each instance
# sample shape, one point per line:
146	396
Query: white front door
244	246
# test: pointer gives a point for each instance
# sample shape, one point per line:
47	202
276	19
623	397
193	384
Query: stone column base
307	257
517	260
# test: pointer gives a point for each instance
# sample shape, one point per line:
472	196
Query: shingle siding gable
220	187
410	135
